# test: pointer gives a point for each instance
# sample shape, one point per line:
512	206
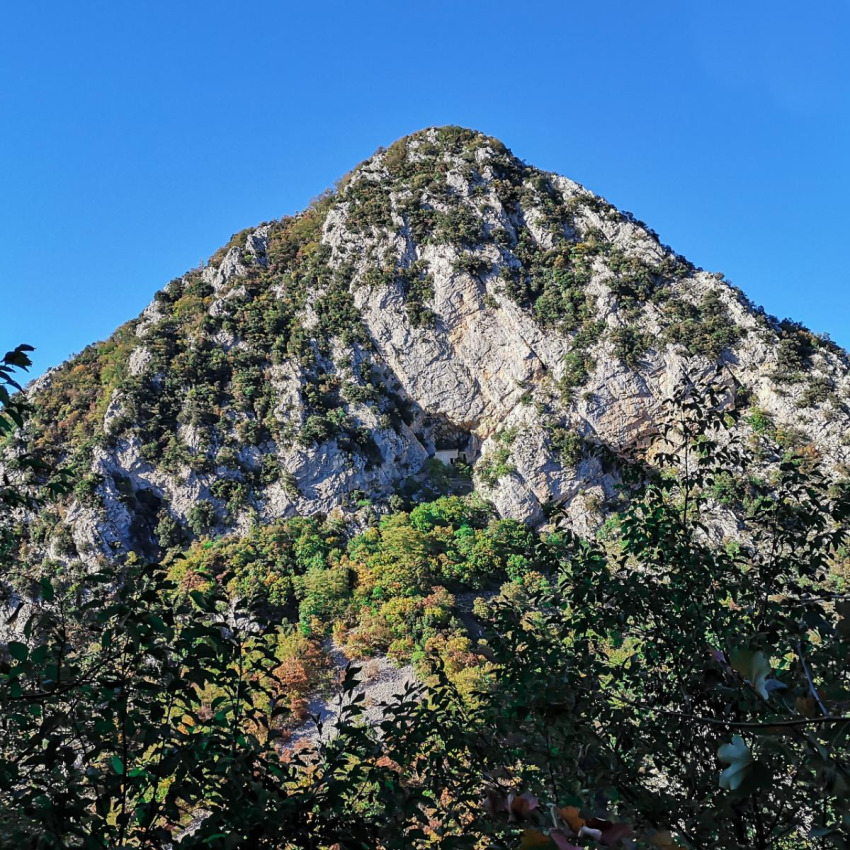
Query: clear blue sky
137	137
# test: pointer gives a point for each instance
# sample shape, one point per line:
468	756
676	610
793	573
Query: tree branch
812	688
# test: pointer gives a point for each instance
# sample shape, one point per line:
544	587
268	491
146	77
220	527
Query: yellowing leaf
522	804
572	817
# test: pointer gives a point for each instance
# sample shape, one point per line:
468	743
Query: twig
751	724
808	673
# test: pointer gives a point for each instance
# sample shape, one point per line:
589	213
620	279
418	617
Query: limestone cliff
445	295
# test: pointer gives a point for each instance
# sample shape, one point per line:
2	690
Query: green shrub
317	429
455	511
818	390
472	265
794	353
169	531
496	465
630	345
459	226
290	484
419	289
703	329
227	457
202	517
727	489
576	371
232	491
761	421
86	488
568	445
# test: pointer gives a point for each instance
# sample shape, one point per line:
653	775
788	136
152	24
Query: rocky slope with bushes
445	296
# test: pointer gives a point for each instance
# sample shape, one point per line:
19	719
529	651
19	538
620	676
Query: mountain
445	301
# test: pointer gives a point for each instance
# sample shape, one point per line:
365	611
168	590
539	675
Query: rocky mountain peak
444	295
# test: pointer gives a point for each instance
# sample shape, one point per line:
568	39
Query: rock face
446	294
